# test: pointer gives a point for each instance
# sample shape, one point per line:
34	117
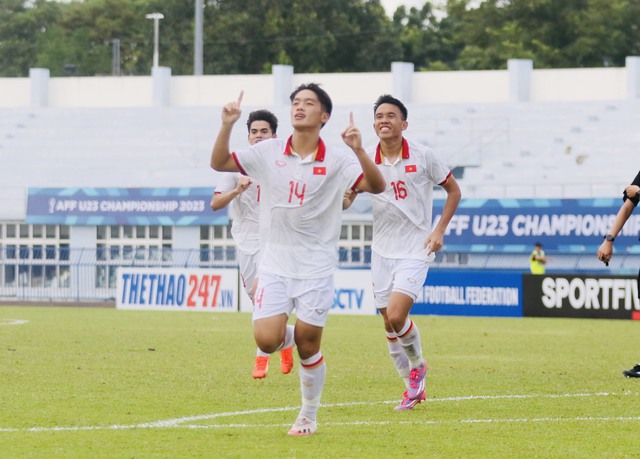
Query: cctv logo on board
581	296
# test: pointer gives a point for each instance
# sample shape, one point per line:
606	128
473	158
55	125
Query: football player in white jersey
243	194
404	241
303	183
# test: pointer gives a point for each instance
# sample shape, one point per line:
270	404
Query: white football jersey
402	213
244	212
301	207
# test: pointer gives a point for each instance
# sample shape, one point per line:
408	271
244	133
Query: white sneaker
303	426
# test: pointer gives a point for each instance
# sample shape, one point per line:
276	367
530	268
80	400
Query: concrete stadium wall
519	83
455	87
579	84
14	92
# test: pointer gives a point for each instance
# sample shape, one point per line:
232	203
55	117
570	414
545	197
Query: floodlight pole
197	44
156	35
115	60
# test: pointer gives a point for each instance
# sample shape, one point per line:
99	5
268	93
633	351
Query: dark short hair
387	99
323	97
263	115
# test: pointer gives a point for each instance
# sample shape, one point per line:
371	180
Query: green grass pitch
106	383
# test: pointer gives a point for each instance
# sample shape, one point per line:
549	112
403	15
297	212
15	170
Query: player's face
388	122
307	111
259	131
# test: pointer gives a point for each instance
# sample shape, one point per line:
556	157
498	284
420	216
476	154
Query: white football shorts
311	298
248	269
404	275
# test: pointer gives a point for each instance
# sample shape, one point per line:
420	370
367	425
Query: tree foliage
249	36
554	34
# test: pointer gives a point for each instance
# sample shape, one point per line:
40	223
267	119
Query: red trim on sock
635	315
313	365
395	338
407	332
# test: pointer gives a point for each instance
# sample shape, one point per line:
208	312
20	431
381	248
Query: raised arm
222	200
221	158
373	181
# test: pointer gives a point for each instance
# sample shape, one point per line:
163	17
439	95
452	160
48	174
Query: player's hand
605	252
348	198
351	135
243	183
433	243
632	191
231	112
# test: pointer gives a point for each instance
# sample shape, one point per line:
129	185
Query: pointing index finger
240	97
351	118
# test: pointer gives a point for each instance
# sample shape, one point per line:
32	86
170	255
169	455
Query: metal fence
63	274
53	273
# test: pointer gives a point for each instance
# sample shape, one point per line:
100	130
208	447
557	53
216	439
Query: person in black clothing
605	252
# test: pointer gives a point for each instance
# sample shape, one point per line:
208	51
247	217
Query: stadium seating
498	150
501	149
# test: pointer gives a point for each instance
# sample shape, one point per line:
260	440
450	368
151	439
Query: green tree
607	32
20	29
83	36
554	34
249	36
418	31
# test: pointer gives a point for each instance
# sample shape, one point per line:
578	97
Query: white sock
399	357
409	338
312	375
289	338
259	353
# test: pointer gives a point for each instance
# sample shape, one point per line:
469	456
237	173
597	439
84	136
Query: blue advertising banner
123	206
471	293
515	225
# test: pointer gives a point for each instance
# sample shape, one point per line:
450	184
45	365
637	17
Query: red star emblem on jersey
410	168
319	170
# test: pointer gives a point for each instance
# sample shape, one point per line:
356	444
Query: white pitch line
177	421
13	322
186	422
422	422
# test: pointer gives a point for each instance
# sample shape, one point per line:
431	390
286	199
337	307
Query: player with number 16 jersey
404	238
405	207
